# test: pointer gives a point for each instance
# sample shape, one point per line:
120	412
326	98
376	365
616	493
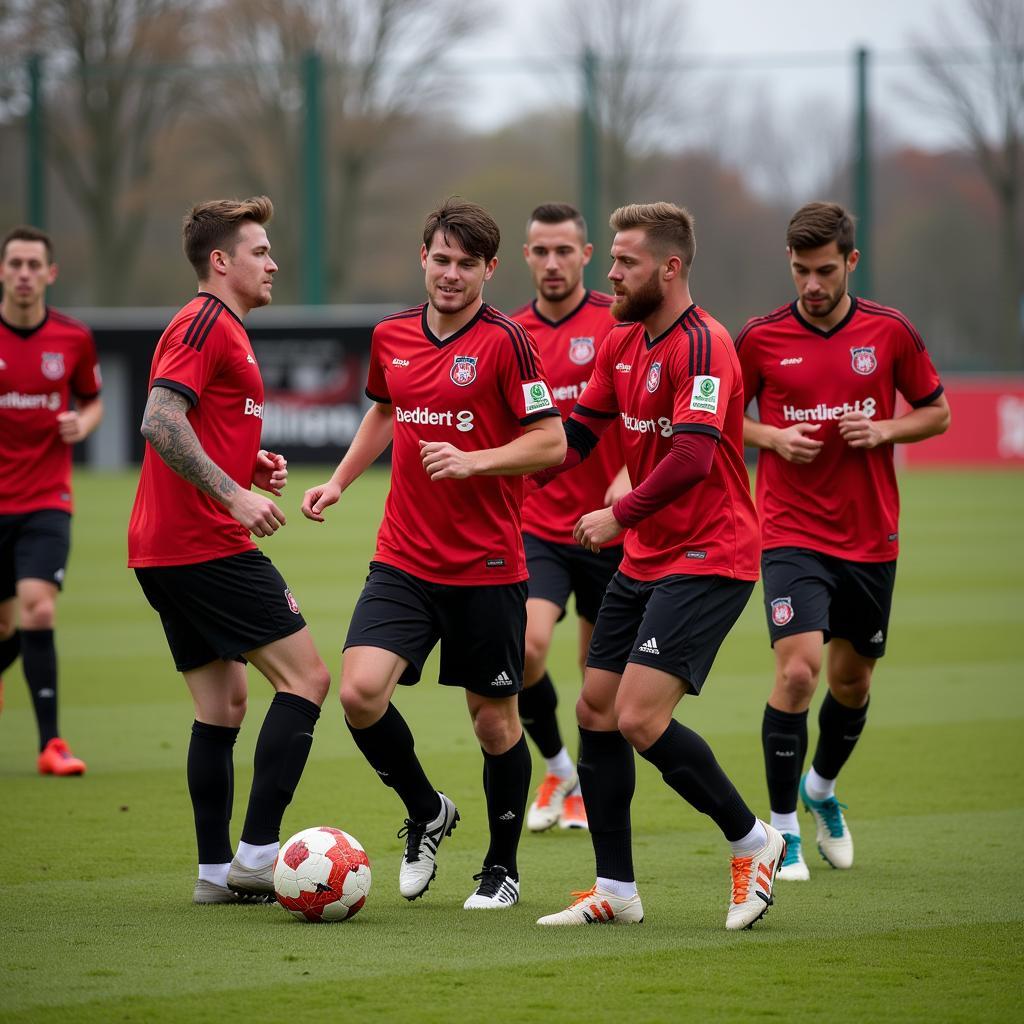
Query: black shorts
33	546
482	629
558	570
220	608
675	624
806	591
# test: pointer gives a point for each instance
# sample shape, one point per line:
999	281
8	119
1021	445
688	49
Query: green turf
96	873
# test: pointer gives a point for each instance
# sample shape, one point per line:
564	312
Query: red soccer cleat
56	759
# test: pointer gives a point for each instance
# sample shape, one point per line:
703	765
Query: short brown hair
669	228
27	233
558	213
215	225
817	224
470	226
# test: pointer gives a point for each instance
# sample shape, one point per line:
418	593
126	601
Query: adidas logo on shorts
877	638
502	679
649	647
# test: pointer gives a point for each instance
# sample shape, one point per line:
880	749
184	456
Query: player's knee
317	684
38	613
497	727
799	678
362	701
592	715
536	656
639	727
852	692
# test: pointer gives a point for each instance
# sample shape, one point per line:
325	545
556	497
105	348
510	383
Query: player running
825	370
670	375
569	324
49	402
459	390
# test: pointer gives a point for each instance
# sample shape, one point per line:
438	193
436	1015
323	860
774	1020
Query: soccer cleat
57	759
835	844
210	892
752	881
596	906
497	890
545	810
794	867
574	813
421	842
252	884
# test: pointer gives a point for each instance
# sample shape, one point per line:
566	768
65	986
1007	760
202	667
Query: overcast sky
756	32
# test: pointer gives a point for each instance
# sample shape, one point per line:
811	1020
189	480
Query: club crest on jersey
653	377
292	603
53	365
463	370
581	350
863	360
782	610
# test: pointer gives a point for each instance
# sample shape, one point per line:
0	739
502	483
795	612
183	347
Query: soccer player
220	599
459	390
669	374
49	401
825	370
569	324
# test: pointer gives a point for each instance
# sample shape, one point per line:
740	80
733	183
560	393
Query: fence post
590	168
36	183
863	283
312	162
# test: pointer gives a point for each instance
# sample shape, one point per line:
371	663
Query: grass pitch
97	872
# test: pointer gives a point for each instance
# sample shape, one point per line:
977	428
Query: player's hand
271	472
797	443
259	515
443	461
69	425
318	498
597	528
858	431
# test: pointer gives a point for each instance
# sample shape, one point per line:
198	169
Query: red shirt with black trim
685	380
204	355
476	389
844	502
41	369
568	348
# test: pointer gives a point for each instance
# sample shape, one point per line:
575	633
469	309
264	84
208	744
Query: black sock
784	739
608	777
389	747
688	765
839	728
9	650
537	705
281	752
39	664
507	789
211	785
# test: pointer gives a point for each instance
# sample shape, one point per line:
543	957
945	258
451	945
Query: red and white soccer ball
322	874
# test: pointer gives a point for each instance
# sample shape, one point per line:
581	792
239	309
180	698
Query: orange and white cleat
752	882
57	759
574	813
545	810
596	906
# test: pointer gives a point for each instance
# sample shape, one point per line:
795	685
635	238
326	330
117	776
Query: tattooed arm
166	427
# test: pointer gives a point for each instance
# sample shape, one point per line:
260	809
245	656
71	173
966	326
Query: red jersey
40	370
205	355
567	348
687	379
476	389
845	502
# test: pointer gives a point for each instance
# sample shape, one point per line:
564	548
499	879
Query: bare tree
105	109
984	100
384	64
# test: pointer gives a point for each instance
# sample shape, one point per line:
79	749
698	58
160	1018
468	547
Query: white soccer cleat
794	867
597	906
251	884
421	842
546	809
835	844
752	881
210	892
497	890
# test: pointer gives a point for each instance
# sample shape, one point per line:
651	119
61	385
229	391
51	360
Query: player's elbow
555	447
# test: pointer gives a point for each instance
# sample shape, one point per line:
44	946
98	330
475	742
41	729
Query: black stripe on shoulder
209	327
521	311
534	416
928	399
68	321
778	314
517	333
705	331
594	414
876	309
405	314
173	385
198	322
697	428
696	343
377	398
600	299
